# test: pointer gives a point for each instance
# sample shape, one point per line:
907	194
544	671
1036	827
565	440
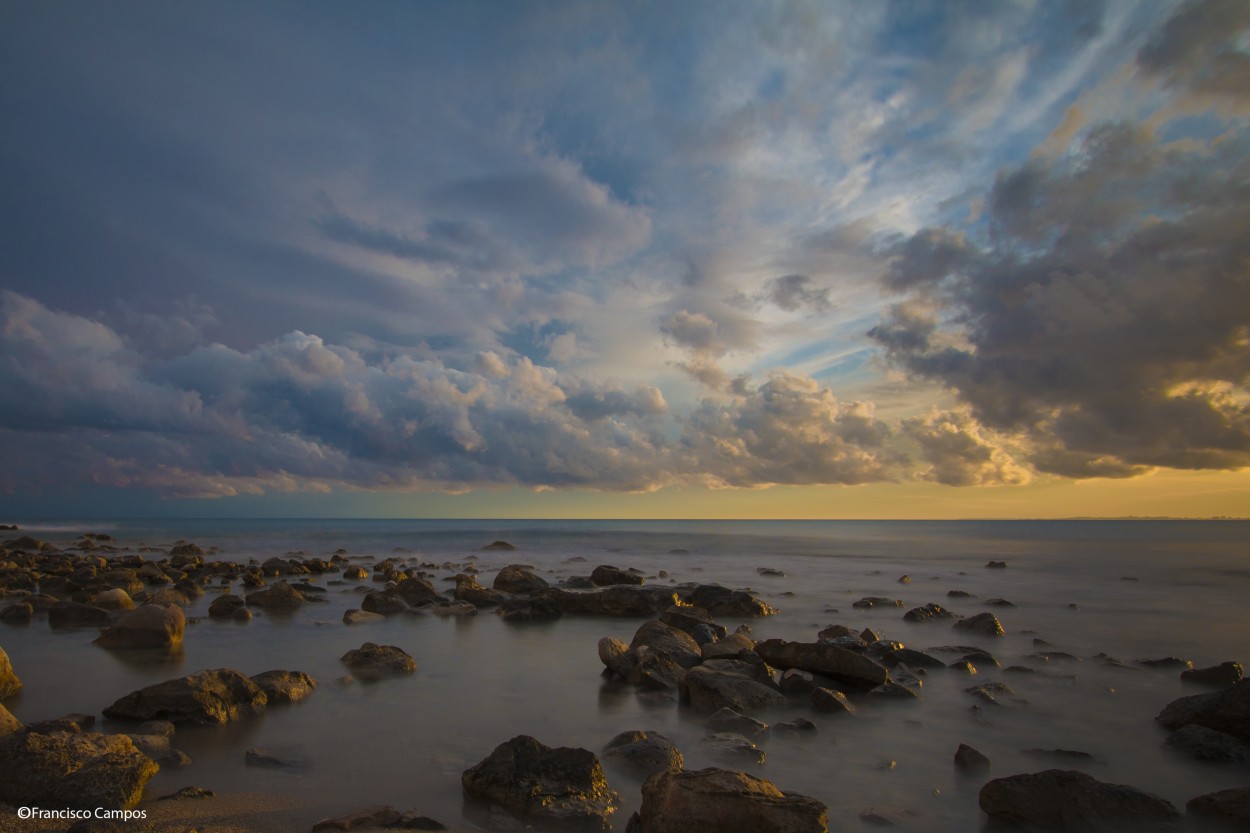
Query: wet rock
831	702
451	609
606	575
1225	711
689	618
225	606
1217	676
715	799
728	720
499	546
217	695
996	694
894	691
643	753
114	599
281	597
998	603
615	601
520	579
543	785
732	747
285	686
1166	663
721	601
164	728
1067	800
985	624
726	683
18	613
265	759
536	609
845	666
355	573
418	592
1229	809
798	726
383	603
727	648
968	759
929	613
654	670
188	792
360	617
616	656
86	771
1209	745
167	596
868	602
149	626
959	594
8	723
910	657
373	662
468	590
10	683
677	644
996	565
73	615
1069	756
367	817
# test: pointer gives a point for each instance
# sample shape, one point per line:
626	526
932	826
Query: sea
1129	590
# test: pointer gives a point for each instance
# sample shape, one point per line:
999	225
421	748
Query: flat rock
710	800
544	785
360	617
149	626
841	664
1067	800
726	683
217	695
87	770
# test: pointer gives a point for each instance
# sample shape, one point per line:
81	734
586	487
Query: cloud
1201	49
1107	316
962	452
792	292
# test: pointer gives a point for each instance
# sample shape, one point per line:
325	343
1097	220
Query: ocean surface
1130	589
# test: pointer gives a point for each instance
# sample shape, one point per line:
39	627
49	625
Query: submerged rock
728	720
713	799
73	770
1209	745
217	695
373	662
499	546
732	747
968	759
468	590
149	626
1067	800
644	753
1228	808
544	785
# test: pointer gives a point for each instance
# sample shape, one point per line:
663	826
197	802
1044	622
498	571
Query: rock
877	601
711	800
224	607
384	603
732	747
893	691
728	720
265	759
909	657
688	618
1225	711
10	684
968	759
355	573
85	771
1067	800
418	592
726	683
451	609
149	626
996	694
654	670
1219	676
373	662
8	723
18	613
677	644
72	615
1209	745
379	816
998	603
798	726
499	546
616	656
188	792
358	617
1228	808
831	702
285	686
643	753
114	598
606	575
996	565
929	613
841	664
1166	663
986	624
534	609
721	601
615	601
281	597
468	590
543	785
727	648
519	579
213	696
163	728
168	596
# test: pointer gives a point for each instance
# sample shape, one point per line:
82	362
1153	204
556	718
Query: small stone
968	759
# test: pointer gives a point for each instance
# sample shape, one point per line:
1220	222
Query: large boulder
1226	711
520	580
9	682
417	592
717	800
1058	799
149	626
86	770
217	695
285	686
373	662
841	664
543	785
620	600
616	656
281	597
730	683
677	644
468	590
1230	809
385	603
721	601
8	723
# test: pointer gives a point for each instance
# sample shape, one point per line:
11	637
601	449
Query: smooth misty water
481	681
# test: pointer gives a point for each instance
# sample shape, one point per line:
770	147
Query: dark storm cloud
1201	48
1108	314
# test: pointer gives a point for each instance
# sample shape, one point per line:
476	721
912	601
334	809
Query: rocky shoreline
135	600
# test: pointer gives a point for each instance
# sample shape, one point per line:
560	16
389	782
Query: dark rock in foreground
714	800
1228	808
1219	676
1209	745
73	770
544	785
217	695
10	684
1226	711
1059	799
968	759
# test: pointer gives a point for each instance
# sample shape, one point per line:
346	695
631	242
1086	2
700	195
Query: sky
625	259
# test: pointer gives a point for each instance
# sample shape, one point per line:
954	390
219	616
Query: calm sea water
481	681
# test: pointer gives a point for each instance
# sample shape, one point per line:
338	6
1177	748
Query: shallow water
481	681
